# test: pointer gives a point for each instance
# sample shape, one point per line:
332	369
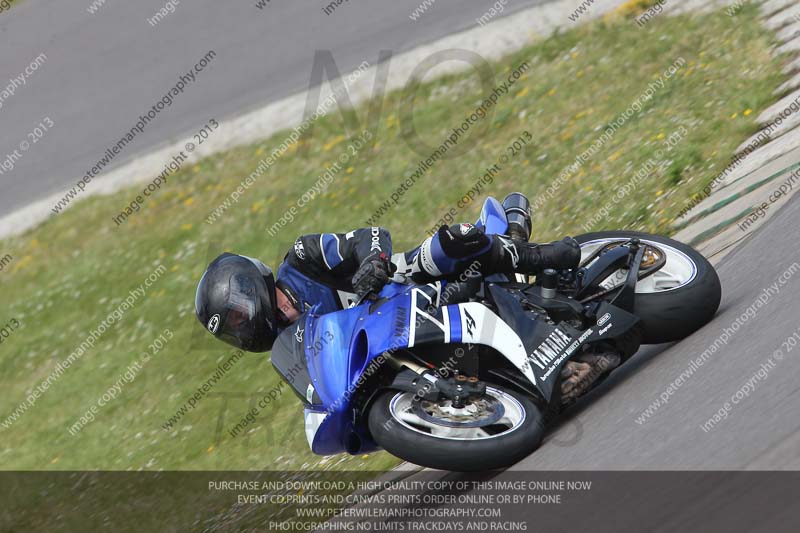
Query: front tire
493	432
669	313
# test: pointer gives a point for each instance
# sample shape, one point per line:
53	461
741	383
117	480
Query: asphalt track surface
104	70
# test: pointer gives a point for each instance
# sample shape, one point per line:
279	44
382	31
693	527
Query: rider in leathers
334	269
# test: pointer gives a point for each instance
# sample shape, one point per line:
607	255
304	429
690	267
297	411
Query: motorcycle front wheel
487	433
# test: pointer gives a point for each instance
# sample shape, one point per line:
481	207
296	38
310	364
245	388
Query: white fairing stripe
490	330
446	322
313	420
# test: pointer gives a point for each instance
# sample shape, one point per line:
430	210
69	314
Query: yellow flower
551	92
22	263
186	227
660	136
188	201
210	449
734	115
747	111
336	140
522	93
659	193
350	170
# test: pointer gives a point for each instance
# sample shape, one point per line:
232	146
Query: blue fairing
348	340
493	217
357	337
493	220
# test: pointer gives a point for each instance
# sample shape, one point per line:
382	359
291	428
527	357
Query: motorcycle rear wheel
492	432
676	301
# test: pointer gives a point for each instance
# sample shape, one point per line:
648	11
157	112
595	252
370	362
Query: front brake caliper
460	388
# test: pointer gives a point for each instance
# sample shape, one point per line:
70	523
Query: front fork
429	385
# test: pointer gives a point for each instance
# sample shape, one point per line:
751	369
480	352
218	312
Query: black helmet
236	302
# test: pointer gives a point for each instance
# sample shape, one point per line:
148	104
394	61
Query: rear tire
673	314
413	444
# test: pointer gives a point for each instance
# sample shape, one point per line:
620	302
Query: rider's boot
511	255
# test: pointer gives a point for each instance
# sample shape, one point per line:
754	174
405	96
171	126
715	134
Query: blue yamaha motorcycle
467	375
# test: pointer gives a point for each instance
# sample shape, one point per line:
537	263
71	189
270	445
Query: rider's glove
372	275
